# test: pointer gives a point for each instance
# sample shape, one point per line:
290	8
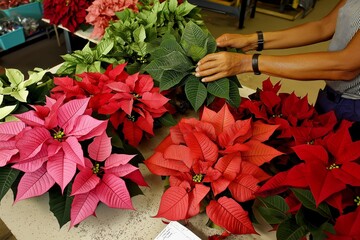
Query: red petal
180	153
259	153
262	131
230	215
196	196
244	187
174	204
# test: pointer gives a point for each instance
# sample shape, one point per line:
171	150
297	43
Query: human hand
222	64
239	41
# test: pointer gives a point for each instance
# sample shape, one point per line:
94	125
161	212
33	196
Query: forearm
322	65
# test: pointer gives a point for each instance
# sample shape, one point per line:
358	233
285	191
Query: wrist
260	41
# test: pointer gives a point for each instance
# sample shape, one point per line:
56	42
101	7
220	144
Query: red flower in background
130	101
69	13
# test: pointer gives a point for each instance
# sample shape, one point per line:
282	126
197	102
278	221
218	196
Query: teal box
12	39
30	10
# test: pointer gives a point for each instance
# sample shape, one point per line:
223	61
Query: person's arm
305	34
339	65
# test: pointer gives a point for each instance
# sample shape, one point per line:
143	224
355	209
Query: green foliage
290	230
8	176
273	209
60	204
135	35
307	199
173	62
88	59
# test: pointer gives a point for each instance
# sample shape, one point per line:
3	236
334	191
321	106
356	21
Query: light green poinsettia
16	87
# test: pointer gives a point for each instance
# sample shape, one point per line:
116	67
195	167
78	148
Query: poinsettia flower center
67	2
58	135
277	115
332	166
357	200
136	95
198	178
311	142
96	168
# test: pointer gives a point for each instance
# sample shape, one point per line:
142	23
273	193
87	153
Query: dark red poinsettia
347	227
205	157
69	13
286	110
330	165
131	101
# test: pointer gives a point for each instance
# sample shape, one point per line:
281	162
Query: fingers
222	41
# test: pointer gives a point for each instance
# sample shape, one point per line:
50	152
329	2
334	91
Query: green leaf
20	95
133	188
15	76
170	79
60	205
274	202
320	232
307	199
167	120
219	88
211	45
195	92
104	47
234	95
139	34
289	230
81	68
8	176
66	68
209	99
273	216
194	36
5	111
184	9
172	5
87	50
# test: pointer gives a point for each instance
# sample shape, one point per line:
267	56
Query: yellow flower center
332	166
96	168
67	2
58	135
198	178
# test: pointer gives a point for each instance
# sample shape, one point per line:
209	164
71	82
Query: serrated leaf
219	88
289	230
104	47
8	176
272	216
234	95
274	202
170	79
307	199
193	35
195	92
60	205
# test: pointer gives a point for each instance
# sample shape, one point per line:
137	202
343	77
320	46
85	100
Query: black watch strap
255	64
260	46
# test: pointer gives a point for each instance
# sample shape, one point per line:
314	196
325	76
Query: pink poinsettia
49	146
131	101
101	12
204	158
9	132
101	180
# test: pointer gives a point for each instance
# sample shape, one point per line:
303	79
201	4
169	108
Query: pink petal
88	127
112	191
122	170
34	184
10	129
73	150
6	155
71	110
31	142
84	182
100	148
31	119
61	169
137	178
116	160
34	163
83	206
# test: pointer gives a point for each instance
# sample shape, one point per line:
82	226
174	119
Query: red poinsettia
347	227
203	158
69	13
131	101
330	165
288	111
